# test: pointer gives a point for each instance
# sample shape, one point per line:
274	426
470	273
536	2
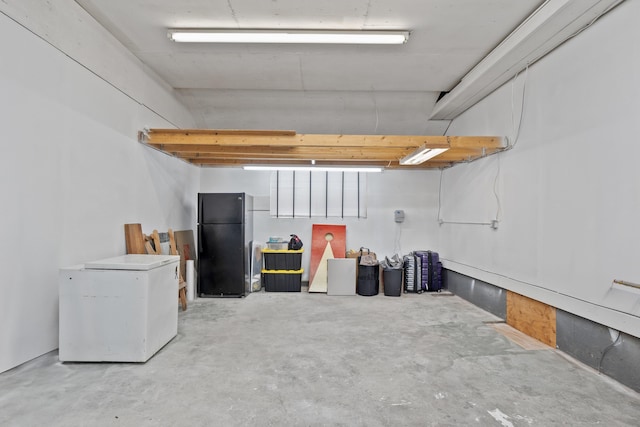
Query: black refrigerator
225	231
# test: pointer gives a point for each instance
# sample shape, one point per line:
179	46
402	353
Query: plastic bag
395	263
295	243
368	257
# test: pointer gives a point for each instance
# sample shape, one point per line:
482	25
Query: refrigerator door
221	262
221	208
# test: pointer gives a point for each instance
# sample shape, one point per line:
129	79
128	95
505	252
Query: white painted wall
413	191
67	27
569	190
72	172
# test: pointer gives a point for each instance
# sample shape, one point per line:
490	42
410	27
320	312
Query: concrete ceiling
319	88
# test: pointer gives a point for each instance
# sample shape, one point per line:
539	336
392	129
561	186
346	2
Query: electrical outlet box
398	215
494	224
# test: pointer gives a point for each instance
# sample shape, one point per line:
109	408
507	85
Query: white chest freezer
121	309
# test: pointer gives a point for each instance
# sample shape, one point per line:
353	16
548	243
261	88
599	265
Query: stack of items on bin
282	265
392	275
422	272
368	280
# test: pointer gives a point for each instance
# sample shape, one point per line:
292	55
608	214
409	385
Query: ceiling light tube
553	23
287	36
421	155
314	168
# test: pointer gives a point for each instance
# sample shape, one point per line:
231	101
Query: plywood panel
327	241
520	338
532	317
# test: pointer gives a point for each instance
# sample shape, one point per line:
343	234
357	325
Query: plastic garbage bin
368	280
392	281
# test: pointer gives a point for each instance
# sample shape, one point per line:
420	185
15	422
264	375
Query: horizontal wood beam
156	137
331	154
385	164
303	151
252	132
351	154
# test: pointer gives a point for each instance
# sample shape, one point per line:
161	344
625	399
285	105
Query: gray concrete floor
275	359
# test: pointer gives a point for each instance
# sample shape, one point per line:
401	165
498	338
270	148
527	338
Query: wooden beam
347	154
386	164
314	153
156	137
259	151
307	153
255	132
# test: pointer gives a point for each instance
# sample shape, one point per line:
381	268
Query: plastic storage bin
282	259
278	246
282	280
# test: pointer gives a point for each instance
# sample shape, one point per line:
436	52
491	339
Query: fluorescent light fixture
550	25
314	168
287	36
421	155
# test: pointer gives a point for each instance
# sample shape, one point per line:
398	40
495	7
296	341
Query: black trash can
392	281
368	280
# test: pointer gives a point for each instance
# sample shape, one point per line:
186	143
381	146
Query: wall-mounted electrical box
398	215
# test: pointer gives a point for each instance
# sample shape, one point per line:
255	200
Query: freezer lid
132	262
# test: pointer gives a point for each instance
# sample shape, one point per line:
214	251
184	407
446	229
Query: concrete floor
275	359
